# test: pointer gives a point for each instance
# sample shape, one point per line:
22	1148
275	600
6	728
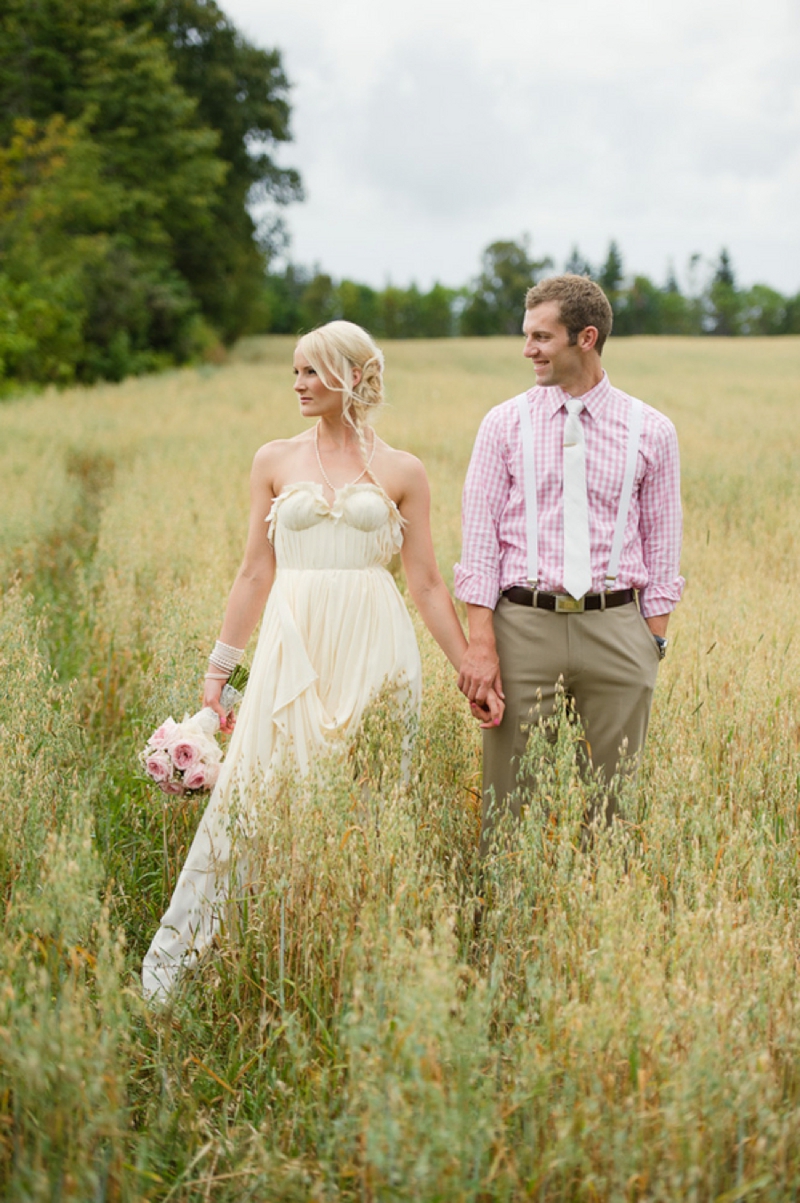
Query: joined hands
480	682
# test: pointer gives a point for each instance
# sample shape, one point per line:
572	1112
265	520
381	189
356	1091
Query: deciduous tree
498	301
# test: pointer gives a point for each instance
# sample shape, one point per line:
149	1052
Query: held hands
480	682
491	712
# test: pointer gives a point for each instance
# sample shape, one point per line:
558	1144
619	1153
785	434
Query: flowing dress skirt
335	633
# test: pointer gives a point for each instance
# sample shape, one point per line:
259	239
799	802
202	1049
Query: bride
329	508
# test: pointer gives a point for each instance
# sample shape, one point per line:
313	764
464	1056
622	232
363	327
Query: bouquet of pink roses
184	758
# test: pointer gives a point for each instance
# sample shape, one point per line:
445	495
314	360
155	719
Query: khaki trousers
607	661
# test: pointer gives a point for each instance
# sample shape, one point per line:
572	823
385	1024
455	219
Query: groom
571	541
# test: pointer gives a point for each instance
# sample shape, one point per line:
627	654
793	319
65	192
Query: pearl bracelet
225	657
217	676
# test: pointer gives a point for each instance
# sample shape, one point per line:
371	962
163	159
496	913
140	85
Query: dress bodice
361	528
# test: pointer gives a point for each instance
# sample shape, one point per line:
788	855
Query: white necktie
577	555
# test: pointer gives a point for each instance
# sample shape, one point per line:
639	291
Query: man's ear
587	339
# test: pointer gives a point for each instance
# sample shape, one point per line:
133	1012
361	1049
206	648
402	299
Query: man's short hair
581	302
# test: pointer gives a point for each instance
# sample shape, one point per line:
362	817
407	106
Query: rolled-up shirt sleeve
486	492
661	525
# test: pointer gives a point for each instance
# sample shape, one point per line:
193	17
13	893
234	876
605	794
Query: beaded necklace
324	474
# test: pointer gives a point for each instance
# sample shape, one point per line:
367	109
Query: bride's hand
491	712
211	694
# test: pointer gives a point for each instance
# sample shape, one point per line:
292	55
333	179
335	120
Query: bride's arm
425	584
253	581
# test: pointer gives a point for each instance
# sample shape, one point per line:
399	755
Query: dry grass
622	1025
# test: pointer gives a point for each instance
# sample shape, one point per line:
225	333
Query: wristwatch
661	644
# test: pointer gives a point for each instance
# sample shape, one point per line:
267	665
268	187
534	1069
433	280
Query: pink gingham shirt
494	553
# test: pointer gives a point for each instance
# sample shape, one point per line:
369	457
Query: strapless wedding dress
335	633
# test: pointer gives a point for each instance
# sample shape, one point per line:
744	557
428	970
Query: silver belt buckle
569	605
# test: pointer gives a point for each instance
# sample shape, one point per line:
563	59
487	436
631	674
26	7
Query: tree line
297	299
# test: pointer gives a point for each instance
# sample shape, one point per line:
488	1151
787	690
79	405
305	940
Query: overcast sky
425	129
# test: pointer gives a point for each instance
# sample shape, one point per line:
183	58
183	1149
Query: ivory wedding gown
335	632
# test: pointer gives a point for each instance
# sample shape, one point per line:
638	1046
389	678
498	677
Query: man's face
547	345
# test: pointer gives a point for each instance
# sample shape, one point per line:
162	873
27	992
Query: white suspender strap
529	482
634	437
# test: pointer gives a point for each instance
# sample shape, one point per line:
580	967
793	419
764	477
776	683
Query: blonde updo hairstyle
334	351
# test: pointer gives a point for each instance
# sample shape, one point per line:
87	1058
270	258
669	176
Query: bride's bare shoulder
277	461
269	455
401	472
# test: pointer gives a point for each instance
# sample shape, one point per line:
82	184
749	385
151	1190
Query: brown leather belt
562	603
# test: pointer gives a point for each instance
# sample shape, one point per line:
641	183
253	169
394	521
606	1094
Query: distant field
624	1025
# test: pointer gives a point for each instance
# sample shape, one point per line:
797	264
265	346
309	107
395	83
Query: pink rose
163	735
195	777
172	787
158	766
184	754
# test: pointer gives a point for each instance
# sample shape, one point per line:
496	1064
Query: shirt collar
594	400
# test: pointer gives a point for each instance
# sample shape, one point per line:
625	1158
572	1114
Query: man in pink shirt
530	627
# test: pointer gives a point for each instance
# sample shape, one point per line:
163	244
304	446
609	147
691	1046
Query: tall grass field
606	1020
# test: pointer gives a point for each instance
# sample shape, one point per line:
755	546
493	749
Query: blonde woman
329	508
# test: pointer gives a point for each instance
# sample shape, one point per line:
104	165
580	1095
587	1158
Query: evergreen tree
724	303
576	264
611	272
724	273
610	280
671	283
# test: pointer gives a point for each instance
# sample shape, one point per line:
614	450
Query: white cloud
428	129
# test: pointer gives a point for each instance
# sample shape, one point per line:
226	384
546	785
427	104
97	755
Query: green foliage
132	137
577	265
82	298
360	304
296	301
611	273
498	300
724	301
640	308
792	315
318	302
241	93
764	311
